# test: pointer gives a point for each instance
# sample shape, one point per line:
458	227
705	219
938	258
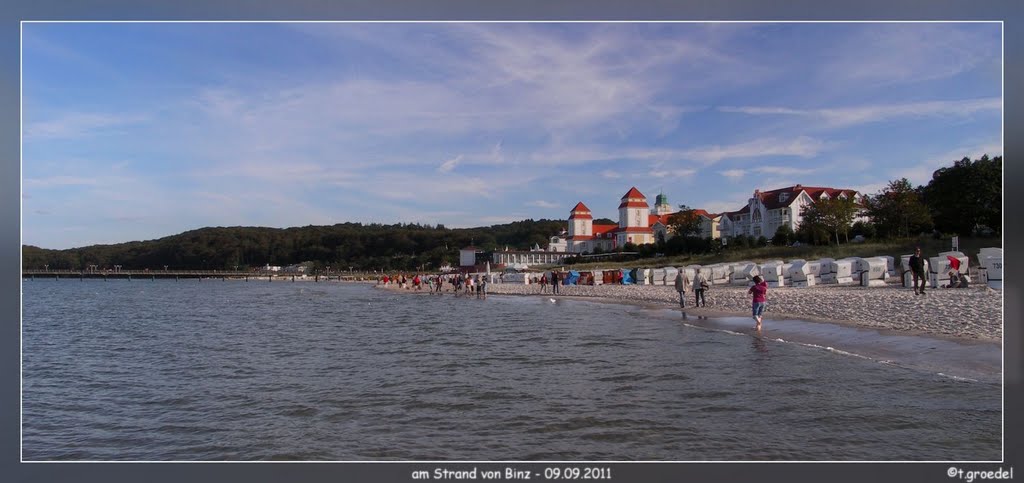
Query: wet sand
972	313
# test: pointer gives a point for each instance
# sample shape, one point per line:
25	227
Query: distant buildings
763	214
518	259
634	226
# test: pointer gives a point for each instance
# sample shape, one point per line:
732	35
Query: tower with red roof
634	219
581	227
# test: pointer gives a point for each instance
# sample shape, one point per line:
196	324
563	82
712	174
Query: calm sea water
214	370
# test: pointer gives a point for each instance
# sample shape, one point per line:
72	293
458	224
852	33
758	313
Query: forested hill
362	247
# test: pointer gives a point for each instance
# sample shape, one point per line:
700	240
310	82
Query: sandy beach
972	313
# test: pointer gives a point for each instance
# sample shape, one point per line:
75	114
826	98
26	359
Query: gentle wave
236	371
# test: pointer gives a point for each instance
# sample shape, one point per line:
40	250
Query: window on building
783	197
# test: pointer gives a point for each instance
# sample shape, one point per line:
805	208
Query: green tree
784	236
966	195
685	222
898	210
833	216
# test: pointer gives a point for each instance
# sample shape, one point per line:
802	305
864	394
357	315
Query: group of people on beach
918	271
554	281
758	291
460	284
700	286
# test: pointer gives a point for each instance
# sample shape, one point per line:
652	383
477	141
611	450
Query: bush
867	230
784	236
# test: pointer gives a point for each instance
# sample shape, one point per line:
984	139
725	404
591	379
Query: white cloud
450	164
784	170
719	206
921	173
836	117
673	173
609	174
78	124
802	146
733	174
888	54
870	188
543	204
61	180
497	153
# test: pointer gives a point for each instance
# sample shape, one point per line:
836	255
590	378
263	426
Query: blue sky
136	131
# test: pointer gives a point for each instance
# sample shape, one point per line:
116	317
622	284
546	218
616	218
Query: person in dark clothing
682	283
917	270
554	282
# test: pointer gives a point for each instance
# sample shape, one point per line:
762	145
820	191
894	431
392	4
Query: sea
215	370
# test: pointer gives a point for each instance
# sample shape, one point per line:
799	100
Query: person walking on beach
554	282
700	285
682	282
917	270
543	283
759	290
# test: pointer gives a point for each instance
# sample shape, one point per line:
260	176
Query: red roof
580	211
634	229
663	219
734	214
633	193
772	199
580	207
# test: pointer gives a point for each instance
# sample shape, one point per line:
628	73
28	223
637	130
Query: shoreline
966	315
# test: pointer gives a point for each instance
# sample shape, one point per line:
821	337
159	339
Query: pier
188	274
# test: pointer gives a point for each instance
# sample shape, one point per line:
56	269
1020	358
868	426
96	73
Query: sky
137	131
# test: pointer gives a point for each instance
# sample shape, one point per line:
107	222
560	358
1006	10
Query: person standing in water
759	290
682	282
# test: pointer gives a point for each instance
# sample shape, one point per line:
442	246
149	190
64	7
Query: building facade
635	225
766	211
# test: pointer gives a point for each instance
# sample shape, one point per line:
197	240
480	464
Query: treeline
341	247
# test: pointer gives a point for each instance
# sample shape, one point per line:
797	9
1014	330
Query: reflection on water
165	370
758	344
